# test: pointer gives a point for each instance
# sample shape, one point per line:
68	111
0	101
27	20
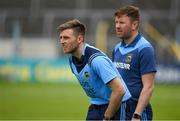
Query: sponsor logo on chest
125	64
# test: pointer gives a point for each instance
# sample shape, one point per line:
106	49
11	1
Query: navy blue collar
133	43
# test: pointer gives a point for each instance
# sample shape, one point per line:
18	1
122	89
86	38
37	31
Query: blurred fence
168	74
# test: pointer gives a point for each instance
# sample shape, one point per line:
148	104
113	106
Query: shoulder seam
94	56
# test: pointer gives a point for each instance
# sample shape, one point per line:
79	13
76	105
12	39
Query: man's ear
80	38
135	25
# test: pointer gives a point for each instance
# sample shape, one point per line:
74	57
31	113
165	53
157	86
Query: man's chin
67	52
119	36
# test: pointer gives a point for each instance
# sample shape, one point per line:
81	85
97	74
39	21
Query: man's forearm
114	104
144	99
117	94
148	87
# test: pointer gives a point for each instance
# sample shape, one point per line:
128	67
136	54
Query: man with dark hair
96	74
134	58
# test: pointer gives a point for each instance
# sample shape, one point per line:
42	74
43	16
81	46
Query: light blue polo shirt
93	71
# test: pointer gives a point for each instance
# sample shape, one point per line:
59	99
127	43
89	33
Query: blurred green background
35	78
67	101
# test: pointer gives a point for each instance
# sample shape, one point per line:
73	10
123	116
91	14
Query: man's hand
136	117
106	119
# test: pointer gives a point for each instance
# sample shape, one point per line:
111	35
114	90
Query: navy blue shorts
130	108
96	112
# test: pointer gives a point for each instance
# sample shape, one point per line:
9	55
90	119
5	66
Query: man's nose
117	25
61	40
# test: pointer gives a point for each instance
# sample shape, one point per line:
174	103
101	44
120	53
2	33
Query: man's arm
145	95
118	92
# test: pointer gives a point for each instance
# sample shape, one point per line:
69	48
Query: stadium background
35	79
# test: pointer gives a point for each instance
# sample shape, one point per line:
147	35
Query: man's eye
66	37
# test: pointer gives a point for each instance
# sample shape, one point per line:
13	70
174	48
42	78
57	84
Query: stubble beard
126	35
72	51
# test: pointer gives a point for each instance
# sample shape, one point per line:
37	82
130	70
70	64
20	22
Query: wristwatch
136	116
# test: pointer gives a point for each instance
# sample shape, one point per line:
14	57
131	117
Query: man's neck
131	39
78	53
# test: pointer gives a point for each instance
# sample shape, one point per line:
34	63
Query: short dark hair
130	11
74	24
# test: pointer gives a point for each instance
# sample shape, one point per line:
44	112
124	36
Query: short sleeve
104	67
147	60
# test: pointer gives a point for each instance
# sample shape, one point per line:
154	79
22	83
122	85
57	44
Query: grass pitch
67	101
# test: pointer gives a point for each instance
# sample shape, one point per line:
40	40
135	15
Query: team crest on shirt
86	74
128	58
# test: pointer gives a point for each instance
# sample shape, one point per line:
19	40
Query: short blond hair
74	24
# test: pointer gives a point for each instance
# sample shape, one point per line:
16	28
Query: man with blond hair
96	74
